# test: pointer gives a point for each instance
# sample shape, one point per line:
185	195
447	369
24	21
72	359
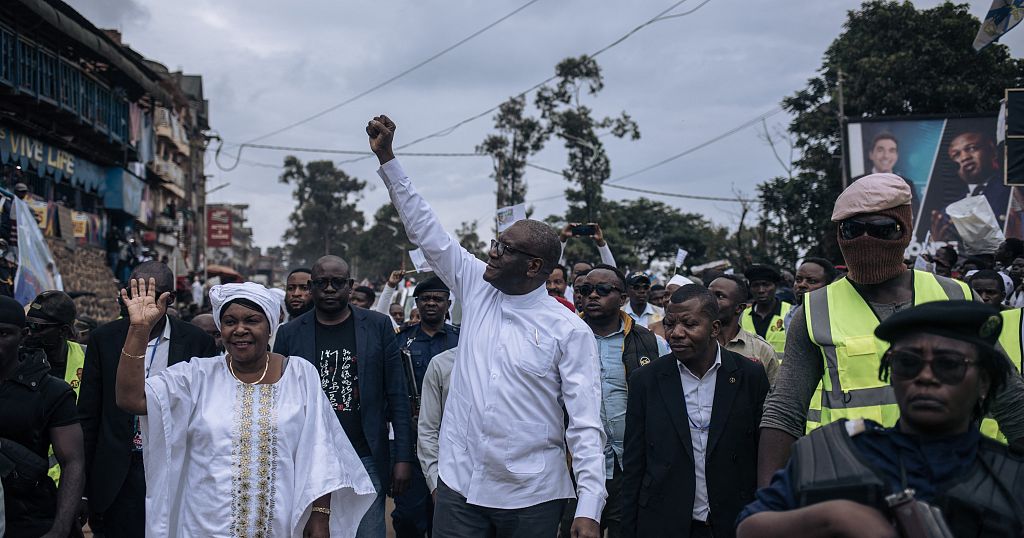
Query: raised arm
452	263
144	311
383	303
602	246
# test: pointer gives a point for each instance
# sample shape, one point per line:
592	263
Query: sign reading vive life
48	160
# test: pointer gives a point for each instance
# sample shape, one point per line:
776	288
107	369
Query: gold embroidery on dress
246	446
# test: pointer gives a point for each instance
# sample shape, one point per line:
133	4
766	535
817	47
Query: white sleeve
580	370
383	304
561	253
456	267
606	255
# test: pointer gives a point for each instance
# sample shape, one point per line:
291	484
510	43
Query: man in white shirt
521	356
638	307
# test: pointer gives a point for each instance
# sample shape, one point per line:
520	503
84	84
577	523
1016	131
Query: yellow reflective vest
1011	340
841	323
776	335
73	376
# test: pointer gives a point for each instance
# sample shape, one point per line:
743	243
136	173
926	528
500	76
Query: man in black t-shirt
36	410
357	356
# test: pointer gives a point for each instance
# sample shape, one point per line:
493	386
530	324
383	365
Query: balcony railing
34	70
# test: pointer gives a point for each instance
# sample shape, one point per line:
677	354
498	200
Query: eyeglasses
501	248
885	228
640	287
36	326
948	369
336	283
603	290
431	299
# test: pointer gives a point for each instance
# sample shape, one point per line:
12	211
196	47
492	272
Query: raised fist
381	131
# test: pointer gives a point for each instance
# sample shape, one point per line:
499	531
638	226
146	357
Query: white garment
197	293
503	437
211	439
699	393
436	381
651	314
156	350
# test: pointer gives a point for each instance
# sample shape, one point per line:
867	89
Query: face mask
872	260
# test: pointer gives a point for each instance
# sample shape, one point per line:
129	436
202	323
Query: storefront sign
218	227
47	160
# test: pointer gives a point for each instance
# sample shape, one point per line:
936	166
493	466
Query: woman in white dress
241	444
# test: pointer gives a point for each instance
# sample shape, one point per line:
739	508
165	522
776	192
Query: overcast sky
684	80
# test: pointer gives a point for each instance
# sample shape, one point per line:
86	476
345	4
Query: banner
419	261
37	271
218	226
943	160
80	222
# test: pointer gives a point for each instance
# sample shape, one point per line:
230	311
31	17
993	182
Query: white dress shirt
699	393
651	314
520	357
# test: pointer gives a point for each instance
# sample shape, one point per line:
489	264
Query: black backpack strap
826	467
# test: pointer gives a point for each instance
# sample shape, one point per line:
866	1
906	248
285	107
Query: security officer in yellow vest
1011	341
857	478
765	317
50	320
831	345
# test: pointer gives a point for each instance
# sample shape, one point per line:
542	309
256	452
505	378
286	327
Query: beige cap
871	194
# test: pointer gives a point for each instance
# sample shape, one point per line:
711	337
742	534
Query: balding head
524	255
331	263
158	271
541	240
207	324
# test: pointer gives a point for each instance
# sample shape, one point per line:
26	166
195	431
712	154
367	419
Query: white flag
419	261
680	257
507	216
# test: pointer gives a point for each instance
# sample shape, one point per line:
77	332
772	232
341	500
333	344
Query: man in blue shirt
623	346
419	343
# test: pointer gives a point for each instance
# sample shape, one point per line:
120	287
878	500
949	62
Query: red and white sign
218	227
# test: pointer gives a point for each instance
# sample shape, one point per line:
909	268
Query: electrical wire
451	128
368	91
636	189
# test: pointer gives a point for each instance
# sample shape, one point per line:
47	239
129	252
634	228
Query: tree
326	219
518	137
470	240
894	60
380	248
569	119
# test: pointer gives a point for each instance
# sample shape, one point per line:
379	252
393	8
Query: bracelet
322	510
130	356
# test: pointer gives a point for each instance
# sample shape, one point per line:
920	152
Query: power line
380	85
646	191
368	91
360	152
451	128
702	145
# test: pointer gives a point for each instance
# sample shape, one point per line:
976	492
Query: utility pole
842	134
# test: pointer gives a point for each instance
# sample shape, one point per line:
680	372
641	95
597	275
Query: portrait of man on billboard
883	154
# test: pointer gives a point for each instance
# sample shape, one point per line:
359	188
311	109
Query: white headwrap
678	280
266	299
280	294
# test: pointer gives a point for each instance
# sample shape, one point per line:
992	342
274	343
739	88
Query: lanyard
152	356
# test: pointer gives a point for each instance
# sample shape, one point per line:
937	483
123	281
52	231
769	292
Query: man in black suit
115	476
690	452
361	372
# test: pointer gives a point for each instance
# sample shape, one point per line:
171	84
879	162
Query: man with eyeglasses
420	343
858	478
622	346
297	300
524	363
355	351
831	338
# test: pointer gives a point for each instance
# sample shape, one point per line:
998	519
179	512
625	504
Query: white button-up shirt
699	393
651	314
520	357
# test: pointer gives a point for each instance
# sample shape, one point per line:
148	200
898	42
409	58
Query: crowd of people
866	398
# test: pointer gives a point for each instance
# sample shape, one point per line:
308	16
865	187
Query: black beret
431	284
11	311
55	306
977	323
762	272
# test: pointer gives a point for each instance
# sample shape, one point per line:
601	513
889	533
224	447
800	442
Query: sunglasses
948	369
884	228
501	248
336	283
603	290
36	326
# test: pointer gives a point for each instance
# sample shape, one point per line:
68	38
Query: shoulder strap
826	467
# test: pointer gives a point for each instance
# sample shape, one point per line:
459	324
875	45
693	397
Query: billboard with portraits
943	160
